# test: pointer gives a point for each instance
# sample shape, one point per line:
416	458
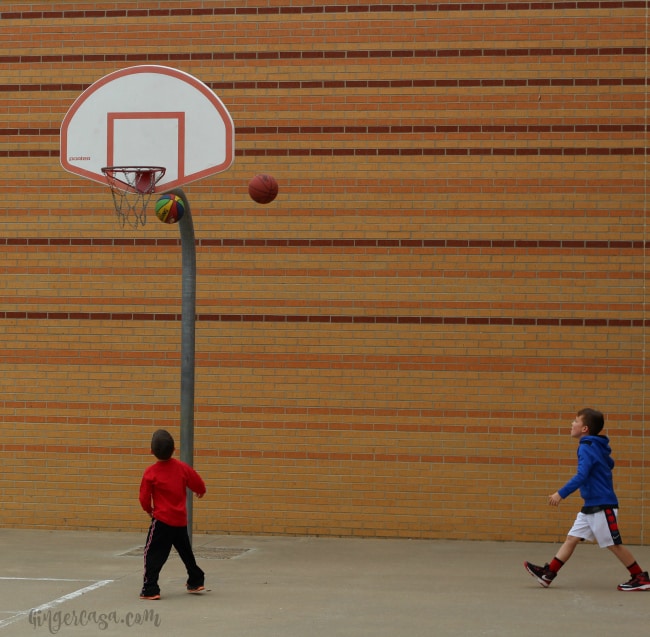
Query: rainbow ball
170	208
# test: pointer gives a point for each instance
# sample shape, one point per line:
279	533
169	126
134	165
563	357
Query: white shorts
601	527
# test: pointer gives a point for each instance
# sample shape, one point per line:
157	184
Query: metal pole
188	339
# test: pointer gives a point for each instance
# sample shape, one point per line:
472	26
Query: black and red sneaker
543	574
640	582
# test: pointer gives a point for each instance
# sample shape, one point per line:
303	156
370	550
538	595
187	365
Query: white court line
47	579
48	605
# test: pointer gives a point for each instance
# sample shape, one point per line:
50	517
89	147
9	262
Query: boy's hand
555	499
200	495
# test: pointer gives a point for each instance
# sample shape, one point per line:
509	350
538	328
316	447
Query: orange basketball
263	189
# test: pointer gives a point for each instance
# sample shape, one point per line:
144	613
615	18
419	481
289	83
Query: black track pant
160	539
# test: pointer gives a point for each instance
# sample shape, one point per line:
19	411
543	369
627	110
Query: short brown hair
593	419
162	444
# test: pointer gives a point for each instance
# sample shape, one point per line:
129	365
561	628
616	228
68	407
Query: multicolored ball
170	208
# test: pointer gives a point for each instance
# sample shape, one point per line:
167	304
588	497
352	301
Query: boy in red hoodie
163	496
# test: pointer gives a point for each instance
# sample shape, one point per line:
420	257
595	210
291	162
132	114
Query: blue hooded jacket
594	476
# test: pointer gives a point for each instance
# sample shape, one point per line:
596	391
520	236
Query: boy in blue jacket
597	519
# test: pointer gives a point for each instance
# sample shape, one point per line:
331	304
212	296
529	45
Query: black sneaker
543	574
640	582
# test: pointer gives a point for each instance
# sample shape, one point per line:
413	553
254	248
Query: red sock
556	565
634	569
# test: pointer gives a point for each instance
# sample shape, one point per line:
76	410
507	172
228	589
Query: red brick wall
397	345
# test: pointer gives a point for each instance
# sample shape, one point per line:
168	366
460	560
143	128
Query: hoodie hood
600	445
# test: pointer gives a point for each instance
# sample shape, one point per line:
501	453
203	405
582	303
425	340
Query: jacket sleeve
585	462
195	481
145	495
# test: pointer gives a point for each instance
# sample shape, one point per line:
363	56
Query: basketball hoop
131	188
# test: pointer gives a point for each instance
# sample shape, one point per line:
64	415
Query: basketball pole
188	342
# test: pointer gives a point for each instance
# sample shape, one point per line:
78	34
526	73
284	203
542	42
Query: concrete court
82	583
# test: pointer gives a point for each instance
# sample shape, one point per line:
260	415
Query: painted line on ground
60	600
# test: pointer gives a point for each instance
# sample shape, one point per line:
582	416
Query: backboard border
229	154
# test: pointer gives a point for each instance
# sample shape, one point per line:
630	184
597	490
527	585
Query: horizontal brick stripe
496	244
400	458
329	319
310	456
472	309
321	273
314	55
308	9
407	421
435	128
36	315
405	83
429	320
292	360
73	449
323	212
398	129
397	421
481	151
442	152
61	450
393	419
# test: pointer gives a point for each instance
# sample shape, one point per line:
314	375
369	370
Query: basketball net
131	188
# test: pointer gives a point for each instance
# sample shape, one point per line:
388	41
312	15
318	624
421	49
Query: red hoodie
163	490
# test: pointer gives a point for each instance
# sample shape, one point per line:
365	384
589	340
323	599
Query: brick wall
398	344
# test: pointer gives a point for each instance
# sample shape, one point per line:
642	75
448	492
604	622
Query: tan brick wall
397	345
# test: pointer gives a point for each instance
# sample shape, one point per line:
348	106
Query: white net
131	188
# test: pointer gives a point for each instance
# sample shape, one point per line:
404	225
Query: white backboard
148	116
